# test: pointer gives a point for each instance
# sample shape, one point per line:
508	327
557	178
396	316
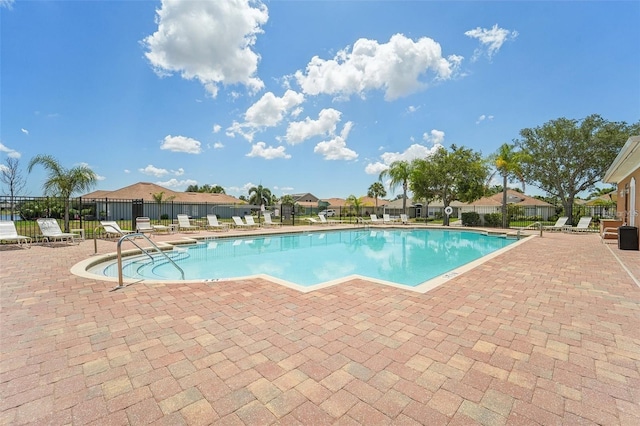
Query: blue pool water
406	257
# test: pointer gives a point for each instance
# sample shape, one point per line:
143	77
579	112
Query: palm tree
399	172
64	182
259	195
376	190
355	203
508	164
158	197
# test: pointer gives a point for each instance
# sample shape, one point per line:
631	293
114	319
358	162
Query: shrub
470	219
493	220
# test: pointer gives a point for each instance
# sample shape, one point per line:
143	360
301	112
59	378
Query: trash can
628	238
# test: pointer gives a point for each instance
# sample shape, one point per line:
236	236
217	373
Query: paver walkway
548	333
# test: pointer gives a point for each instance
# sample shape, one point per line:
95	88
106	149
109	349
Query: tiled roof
145	191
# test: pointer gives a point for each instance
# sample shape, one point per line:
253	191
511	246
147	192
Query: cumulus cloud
491	40
270	109
400	67
410	154
336	148
216	128
484	117
326	123
153	171
175	183
25	131
12	153
209	41
434	136
181	144
260	149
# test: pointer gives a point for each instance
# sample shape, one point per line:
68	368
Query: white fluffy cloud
260	149
400	67
153	171
175	183
410	154
336	148
210	41
491	40
484	117
434	136
10	152
181	144
326	123
270	109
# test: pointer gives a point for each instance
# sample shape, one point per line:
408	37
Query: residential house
528	206
139	199
624	172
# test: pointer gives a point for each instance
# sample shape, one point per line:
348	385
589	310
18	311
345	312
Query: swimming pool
406	258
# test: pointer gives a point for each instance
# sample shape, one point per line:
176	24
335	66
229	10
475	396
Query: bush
493	220
470	219
164	216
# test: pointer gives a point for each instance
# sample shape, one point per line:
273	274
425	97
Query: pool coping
81	268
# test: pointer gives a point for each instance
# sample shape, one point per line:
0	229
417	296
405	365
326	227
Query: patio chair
582	226
268	222
387	218
560	223
239	223
375	220
8	232
112	228
404	219
326	221
250	222
51	231
213	224
143	226
184	224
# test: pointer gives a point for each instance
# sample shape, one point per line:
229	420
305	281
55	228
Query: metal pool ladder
143	250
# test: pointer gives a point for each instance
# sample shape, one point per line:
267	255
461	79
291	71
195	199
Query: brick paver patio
548	333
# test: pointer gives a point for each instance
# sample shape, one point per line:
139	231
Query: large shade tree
399	173
459	174
565	157
62	182
508	164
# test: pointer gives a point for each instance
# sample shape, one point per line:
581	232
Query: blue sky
298	96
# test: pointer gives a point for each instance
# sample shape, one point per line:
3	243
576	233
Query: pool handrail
142	235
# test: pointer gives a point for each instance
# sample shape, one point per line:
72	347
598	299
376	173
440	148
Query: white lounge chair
313	221
51	231
213	224
375	220
269	222
143	226
112	228
387	218
184	224
326	221
8	232
250	222
238	223
560	223
404	219
582	226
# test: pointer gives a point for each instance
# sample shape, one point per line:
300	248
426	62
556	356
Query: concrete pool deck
547	333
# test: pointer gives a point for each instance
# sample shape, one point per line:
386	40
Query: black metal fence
87	213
